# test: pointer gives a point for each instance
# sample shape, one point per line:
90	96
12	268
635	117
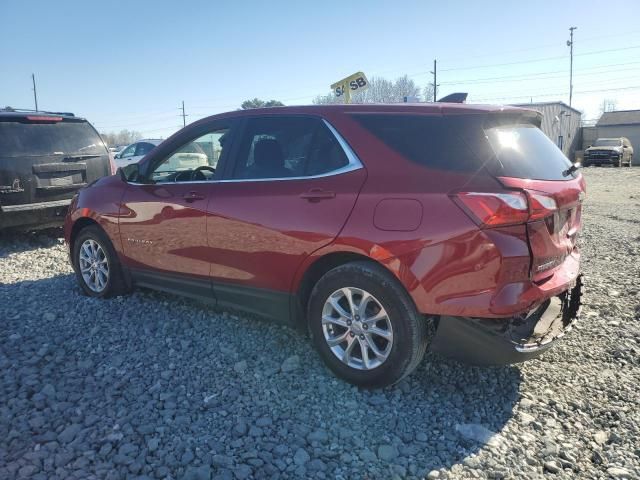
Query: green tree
258	103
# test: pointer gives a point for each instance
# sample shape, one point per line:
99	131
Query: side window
196	160
284	147
325	154
143	148
130	151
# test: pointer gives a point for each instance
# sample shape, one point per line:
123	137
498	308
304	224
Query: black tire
410	330
115	284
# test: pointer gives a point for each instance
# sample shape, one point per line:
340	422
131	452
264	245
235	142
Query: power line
520	62
538	75
539	47
636	87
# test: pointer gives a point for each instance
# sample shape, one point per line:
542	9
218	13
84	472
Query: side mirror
625	146
117	155
589	146
130	173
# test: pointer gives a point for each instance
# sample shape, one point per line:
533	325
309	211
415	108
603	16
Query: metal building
623	123
561	123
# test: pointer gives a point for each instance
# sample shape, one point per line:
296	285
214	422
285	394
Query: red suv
382	229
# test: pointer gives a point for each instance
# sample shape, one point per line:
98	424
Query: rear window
31	139
524	151
435	142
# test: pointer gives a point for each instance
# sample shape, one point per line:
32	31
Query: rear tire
96	264
386	326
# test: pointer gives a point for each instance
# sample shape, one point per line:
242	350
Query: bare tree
427	93
608	105
381	90
123	137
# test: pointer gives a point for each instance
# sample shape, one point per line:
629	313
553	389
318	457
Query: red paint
267	234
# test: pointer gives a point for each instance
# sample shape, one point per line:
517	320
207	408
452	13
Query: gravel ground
153	386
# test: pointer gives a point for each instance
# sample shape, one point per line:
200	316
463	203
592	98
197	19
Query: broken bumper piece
501	341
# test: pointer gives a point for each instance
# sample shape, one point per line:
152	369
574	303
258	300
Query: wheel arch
79	225
320	266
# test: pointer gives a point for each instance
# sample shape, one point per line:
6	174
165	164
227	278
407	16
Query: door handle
317	194
193	196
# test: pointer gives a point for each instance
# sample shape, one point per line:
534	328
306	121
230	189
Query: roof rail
29	110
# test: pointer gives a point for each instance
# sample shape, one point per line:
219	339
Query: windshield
607	142
523	151
33	139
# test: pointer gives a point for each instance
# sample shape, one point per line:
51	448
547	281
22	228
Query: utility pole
570	45
35	94
184	116
435	78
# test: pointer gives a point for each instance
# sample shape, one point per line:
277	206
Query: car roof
155	141
435	108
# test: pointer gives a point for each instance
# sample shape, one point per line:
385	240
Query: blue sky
130	64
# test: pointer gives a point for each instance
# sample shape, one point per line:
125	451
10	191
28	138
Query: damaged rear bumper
501	341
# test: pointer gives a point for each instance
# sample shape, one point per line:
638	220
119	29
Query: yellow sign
351	84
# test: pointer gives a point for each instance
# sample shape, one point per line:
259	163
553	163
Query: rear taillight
541	206
492	209
506	208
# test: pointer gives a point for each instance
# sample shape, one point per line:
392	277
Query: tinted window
282	147
523	151
431	141
143	148
19	139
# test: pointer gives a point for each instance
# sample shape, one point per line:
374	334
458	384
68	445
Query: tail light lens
541	206
493	209
507	208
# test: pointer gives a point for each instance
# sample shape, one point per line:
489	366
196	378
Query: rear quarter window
32	139
524	151
433	141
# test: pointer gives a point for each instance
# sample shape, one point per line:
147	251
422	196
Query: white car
134	152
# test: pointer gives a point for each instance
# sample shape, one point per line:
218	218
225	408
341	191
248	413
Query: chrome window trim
354	164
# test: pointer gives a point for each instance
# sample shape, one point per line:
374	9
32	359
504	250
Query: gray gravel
154	386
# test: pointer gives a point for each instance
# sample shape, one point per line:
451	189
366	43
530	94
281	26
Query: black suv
44	159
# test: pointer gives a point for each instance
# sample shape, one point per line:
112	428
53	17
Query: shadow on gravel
14	241
154	384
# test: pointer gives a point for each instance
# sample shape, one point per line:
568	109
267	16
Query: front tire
96	264
365	326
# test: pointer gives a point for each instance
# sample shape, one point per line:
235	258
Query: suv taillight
506	208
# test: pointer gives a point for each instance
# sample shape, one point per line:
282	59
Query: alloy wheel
93	265
357	328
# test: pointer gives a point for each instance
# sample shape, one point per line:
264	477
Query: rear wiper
80	157
571	169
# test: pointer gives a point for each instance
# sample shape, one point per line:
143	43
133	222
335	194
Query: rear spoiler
459	97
